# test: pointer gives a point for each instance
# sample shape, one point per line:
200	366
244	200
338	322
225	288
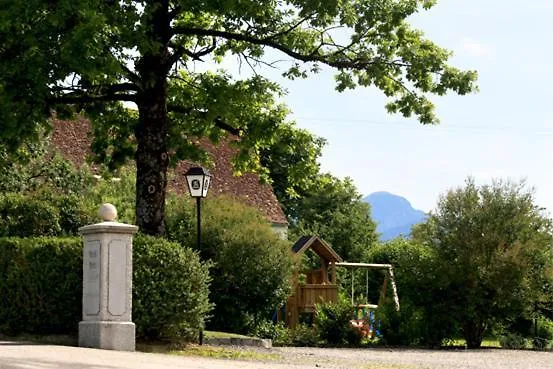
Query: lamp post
198	180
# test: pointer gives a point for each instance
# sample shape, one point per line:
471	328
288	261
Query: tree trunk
152	130
474	333
151	164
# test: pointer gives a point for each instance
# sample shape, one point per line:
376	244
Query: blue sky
503	131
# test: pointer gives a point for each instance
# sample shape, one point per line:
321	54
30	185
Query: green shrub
427	314
252	267
171	287
25	216
40	285
333	322
305	336
514	341
543	338
279	333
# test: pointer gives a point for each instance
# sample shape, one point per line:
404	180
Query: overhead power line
448	127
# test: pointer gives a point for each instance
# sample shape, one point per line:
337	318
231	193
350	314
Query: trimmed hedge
41	287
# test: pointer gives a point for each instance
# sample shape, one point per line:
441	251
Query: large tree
494	249
91	55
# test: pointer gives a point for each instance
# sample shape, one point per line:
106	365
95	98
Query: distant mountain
393	214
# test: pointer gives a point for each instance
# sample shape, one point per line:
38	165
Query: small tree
490	242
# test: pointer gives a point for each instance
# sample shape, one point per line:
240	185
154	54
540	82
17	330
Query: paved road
15	355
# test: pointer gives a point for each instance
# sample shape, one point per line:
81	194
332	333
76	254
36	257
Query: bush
543	338
40	285
426	316
514	341
305	336
279	333
25	216
252	267
333	322
171	287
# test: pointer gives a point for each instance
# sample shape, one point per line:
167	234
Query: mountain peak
393	214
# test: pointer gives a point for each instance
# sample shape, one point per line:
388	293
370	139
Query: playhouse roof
72	140
318	245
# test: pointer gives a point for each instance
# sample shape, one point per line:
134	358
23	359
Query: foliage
543	335
119	191
72	58
252	267
64	203
305	336
493	247
31	168
171	287
514	341
425	316
333	321
22	216
333	209
278	333
40	285
292	165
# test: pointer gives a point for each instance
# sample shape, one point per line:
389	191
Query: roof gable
318	245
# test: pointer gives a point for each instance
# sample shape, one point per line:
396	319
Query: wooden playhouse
312	286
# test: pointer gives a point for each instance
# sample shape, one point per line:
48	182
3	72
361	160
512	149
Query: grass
215	334
486	343
205	351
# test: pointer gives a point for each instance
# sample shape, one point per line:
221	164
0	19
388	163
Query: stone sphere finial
108	212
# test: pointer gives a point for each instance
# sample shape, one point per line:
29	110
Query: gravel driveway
412	359
17	355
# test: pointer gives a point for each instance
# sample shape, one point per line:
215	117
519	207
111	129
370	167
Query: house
312	285
72	140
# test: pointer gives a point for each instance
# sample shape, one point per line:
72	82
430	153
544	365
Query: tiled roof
71	138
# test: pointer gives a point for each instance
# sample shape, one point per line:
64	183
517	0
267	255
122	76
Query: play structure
364	313
312	286
314	282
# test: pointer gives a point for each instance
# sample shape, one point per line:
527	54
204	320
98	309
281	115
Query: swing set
364	314
319	285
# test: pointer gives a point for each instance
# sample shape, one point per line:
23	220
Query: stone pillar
107	284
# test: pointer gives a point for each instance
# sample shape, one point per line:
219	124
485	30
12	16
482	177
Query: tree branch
293	27
80	98
179	51
219	122
270	42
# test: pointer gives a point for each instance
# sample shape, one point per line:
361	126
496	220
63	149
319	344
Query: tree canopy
91	56
333	209
494	249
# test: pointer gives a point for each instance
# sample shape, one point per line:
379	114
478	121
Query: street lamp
198	180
